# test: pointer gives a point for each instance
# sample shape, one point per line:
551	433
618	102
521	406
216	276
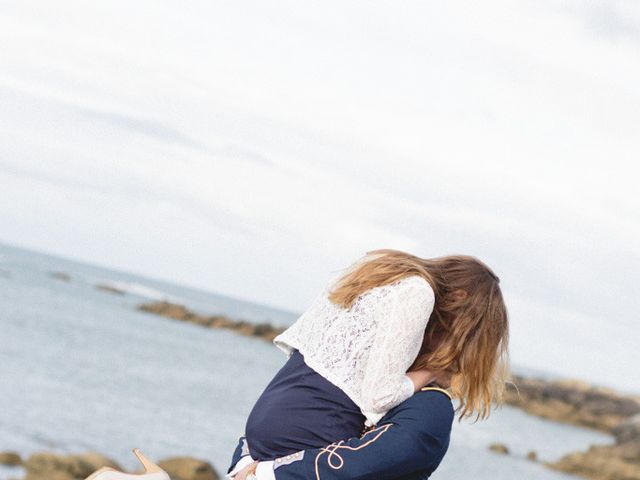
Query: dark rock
628	430
63	276
188	468
572	402
110	289
262	329
51	466
582	404
499	448
600	463
41	464
243	327
266	331
10	458
219	321
82	465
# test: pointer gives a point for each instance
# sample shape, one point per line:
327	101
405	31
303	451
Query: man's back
408	443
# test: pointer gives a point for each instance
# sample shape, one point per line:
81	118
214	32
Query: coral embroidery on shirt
335	460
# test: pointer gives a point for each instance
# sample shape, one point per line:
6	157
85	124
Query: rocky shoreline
266	331
51	466
574	402
565	401
578	403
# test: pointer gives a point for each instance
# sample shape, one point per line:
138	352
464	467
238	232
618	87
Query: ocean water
83	369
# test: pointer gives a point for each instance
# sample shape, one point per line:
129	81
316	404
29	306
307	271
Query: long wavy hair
468	331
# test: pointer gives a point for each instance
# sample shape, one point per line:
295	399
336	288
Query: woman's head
468	331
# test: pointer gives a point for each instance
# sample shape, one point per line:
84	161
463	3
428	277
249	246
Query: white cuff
372	418
265	471
409	386
240	464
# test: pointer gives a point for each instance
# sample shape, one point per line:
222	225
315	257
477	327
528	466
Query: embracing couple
373	366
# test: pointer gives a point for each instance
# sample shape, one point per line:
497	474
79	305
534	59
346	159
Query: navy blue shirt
408	443
300	409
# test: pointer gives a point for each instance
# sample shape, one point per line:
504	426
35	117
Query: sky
255	149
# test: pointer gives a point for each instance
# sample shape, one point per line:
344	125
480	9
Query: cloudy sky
255	148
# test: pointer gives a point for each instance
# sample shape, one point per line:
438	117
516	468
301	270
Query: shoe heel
149	466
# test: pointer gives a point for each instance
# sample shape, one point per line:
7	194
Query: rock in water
602	463
188	468
628	430
82	465
571	401
10	458
265	330
51	466
64	276
41	465
110	289
499	448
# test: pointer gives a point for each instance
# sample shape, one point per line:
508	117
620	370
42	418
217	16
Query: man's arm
413	438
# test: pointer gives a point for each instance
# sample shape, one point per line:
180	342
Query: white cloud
253	149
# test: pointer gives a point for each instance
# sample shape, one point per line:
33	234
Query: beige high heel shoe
151	471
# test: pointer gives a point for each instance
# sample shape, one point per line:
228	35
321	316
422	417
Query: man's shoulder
432	388
433	402
434	396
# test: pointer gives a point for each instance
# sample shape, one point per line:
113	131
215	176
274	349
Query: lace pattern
366	349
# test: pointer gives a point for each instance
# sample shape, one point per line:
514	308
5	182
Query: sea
83	369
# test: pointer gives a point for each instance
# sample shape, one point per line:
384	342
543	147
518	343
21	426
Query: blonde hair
468	330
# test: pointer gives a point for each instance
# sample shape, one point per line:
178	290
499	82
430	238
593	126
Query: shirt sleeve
239	465
411	445
401	317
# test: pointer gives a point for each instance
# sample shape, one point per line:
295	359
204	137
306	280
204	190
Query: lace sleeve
401	318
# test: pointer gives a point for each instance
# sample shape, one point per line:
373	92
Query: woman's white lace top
365	350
